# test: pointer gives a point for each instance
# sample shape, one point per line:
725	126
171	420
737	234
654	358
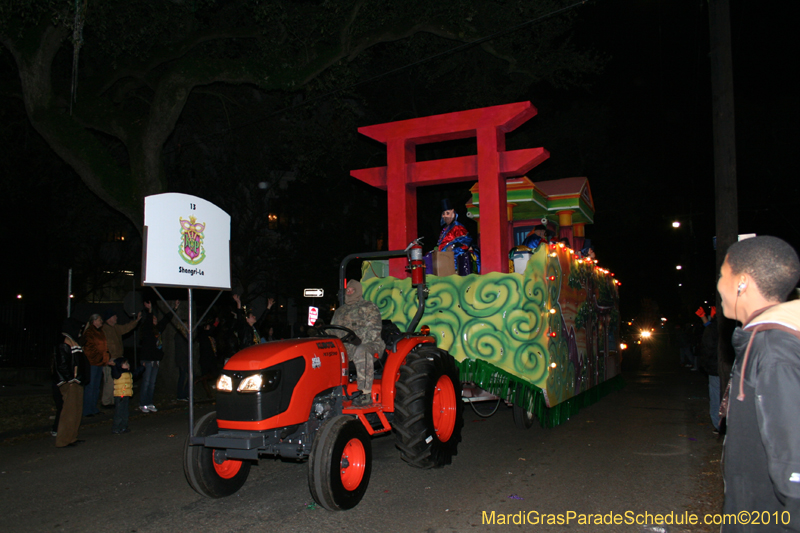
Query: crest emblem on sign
191	248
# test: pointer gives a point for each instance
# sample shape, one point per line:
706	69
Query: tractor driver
364	318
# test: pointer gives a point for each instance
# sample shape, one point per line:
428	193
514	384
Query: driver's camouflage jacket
364	318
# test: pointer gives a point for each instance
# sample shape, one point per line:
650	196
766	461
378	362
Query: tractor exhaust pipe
420	309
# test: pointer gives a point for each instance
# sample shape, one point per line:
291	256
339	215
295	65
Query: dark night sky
645	142
642	135
661	160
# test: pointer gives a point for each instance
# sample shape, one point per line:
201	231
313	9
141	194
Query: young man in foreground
762	446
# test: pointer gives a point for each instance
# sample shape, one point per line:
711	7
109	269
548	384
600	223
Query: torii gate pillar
402	174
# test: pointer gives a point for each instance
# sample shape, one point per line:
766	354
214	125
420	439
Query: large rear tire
428	408
207	470
523	418
340	463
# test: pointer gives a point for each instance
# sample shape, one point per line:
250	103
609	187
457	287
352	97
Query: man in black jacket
708	361
762	446
71	375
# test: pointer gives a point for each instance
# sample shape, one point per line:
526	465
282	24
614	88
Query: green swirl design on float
444	299
523	325
490	294
446	332
481	340
500	324
382	294
530	362
501	319
533	283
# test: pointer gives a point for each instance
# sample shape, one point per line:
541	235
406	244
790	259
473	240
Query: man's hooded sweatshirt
762	446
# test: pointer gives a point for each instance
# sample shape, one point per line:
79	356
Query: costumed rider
538	235
364	318
588	250
455	237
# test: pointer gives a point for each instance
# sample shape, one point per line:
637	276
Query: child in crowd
123	390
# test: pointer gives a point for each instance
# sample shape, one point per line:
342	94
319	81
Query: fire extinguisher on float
415	263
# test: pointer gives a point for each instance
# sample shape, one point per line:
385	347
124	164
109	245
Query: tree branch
144	69
344	37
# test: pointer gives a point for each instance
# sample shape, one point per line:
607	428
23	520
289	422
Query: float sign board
186	242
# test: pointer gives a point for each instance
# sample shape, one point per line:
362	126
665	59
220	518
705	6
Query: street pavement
645	449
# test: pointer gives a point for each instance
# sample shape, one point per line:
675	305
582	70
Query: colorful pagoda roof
536	200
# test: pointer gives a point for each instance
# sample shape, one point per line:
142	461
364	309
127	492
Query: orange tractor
293	399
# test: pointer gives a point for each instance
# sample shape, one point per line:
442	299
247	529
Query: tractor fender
391	370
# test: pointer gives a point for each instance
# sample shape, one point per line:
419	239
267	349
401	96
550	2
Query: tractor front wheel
428	410
207	470
340	463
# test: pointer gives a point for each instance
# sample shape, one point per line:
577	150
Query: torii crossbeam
403	174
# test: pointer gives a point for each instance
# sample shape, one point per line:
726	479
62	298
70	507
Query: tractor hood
295	371
270	354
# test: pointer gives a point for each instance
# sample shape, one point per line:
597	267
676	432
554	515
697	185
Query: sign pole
69	294
189	331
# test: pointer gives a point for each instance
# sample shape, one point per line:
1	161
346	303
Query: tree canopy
255	106
139	62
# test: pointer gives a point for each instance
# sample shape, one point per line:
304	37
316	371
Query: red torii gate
403	174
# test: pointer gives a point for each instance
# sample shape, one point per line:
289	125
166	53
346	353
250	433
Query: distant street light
678	267
19	297
676	224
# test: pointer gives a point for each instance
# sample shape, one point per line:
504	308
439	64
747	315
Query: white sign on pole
187	242
313	293
313	314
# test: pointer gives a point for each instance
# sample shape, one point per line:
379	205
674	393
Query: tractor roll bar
378	255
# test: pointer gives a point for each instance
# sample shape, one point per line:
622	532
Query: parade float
537	329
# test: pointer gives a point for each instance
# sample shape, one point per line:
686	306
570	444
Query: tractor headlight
224	383
251	383
263	381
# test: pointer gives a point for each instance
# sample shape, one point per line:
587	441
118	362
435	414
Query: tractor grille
268	402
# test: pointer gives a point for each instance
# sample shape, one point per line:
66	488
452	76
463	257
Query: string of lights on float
580	259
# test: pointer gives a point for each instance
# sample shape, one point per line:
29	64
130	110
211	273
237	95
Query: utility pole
726	212
727	222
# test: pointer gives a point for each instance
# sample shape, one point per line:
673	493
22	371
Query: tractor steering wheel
350	338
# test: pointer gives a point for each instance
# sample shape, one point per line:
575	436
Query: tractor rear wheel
207	470
523	418
428	409
340	463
